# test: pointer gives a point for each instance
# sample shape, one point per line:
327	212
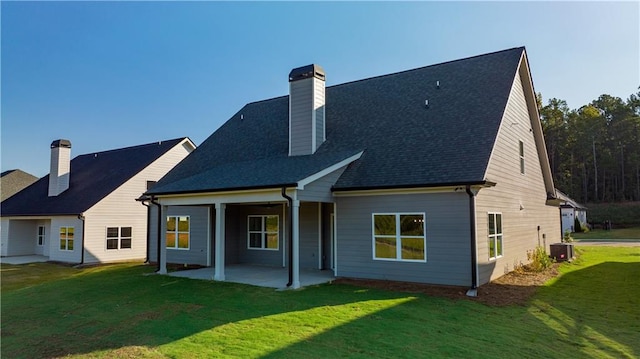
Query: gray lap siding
447	238
198	235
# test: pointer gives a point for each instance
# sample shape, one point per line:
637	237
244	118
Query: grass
620	233
591	311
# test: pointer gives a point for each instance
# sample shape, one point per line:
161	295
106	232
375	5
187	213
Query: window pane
492	224
255	240
63	244
412	225
385	224
171	240
125	243
63	232
171	223
125	232
498	223
112	243
70	232
412	248
492	248
499	245
272	224
183	240
112	232
255	223
521	149
385	247
70	244
272	241
41	231
183	224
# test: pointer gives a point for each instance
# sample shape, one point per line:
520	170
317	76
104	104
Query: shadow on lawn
592	312
110	309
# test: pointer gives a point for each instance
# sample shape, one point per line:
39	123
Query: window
399	237
495	235
40	235
521	157
263	232
178	232
66	238
118	237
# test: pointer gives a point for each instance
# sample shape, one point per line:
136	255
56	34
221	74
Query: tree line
594	151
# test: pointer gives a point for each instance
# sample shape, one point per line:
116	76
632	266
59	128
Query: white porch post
163	239
295	247
220	239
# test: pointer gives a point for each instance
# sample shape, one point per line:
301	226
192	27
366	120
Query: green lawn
621	233
591	311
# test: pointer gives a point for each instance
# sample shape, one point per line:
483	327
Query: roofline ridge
178	139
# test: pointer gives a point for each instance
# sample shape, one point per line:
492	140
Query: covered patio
261	276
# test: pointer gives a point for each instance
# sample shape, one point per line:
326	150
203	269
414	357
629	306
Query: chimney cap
61	143
305	72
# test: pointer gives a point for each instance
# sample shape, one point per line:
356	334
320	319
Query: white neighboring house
85	210
569	211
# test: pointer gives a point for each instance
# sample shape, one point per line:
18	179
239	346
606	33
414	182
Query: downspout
290	225
473	291
146	260
153	200
81	217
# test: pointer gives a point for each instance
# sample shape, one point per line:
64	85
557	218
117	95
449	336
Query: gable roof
93	176
568	201
14	181
405	143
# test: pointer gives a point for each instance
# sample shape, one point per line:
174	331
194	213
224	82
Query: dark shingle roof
14	181
92	177
405	143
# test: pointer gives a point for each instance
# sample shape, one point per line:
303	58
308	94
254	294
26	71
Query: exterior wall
21	237
519	197
447	234
198	235
55	253
320	189
4	236
568	219
238	238
310	235
120	209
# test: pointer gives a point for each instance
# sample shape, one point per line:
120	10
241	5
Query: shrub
567	237
577	226
539	259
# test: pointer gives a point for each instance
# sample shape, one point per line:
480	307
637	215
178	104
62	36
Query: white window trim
119	238
398	236
263	232
177	232
67	240
495	236
521	157
43	236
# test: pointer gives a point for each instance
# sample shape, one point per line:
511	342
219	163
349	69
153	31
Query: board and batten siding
447	238
120	209
521	198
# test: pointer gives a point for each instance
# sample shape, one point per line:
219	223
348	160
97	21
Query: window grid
67	235
399	237
41	234
495	235
119	238
178	232
263	232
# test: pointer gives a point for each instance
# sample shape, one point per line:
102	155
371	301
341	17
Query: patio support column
220	239
162	243
295	247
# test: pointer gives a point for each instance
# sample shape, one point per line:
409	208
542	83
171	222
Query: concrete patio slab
261	276
23	259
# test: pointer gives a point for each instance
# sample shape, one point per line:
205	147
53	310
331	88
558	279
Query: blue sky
114	74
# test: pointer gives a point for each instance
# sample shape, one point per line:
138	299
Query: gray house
434	175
